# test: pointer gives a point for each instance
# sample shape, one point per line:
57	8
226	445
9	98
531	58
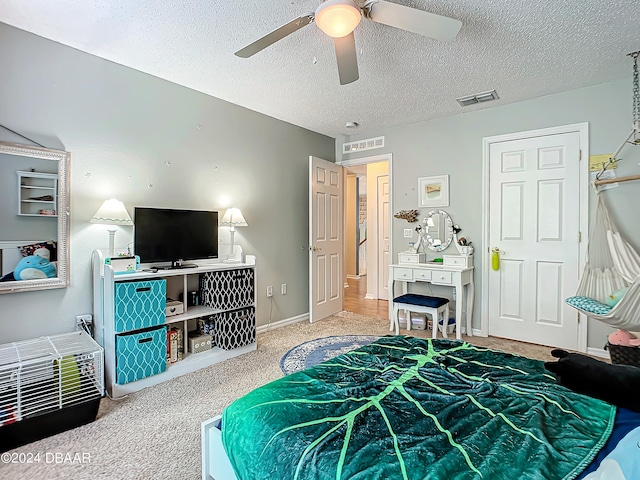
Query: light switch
408	233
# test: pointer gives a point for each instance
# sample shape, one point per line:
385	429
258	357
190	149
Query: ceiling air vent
477	98
362	145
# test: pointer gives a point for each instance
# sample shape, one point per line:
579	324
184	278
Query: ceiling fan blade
277	34
413	20
347	59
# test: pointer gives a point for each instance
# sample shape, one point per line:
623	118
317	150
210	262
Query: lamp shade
233	218
112	212
337	18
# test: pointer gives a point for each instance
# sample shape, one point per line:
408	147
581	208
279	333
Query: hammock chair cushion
589	305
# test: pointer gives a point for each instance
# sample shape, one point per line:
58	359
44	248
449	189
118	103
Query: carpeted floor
155	433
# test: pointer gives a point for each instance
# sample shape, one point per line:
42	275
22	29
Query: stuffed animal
615	384
622	337
34	267
616	296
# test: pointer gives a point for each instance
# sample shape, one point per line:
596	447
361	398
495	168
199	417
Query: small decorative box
404	257
122	264
174	307
199	343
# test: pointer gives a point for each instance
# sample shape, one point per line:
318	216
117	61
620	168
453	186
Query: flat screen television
165	235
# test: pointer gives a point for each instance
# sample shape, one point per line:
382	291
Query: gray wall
453	145
149	142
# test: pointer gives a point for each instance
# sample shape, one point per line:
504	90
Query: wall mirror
438	230
34	214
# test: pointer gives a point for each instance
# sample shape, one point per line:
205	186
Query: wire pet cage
48	385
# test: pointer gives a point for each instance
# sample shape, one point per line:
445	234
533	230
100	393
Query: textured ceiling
521	48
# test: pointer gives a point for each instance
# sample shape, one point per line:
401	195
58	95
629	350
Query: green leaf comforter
409	408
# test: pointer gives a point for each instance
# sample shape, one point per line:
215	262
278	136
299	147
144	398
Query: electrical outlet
270	291
283	289
408	233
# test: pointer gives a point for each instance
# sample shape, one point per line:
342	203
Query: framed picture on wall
434	191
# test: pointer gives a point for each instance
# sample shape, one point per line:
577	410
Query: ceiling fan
338	19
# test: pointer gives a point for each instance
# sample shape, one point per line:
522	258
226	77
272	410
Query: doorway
367	233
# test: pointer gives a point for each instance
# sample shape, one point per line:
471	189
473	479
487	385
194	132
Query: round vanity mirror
437	229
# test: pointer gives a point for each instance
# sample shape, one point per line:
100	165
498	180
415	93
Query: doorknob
313	248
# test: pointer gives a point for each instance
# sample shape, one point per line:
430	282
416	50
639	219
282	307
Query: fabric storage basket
623	355
140	304
234	329
227	289
141	354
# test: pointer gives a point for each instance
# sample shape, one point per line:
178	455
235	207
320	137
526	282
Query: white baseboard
598	352
282	323
354	277
370	296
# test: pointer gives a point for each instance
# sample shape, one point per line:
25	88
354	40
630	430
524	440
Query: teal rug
311	353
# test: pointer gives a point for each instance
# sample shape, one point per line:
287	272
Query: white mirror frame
448	231
63	158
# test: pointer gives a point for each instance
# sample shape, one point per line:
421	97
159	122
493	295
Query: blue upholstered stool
433	306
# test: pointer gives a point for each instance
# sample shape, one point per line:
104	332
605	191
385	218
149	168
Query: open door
325	238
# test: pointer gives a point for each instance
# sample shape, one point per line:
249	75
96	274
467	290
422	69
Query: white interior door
383	237
325	238
534	220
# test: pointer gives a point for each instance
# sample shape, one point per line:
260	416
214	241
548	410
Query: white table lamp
232	218
112	212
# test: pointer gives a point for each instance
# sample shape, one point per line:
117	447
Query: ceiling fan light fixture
338	18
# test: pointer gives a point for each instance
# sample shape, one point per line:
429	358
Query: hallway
355	302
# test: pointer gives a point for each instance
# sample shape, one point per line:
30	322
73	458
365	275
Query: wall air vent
362	145
477	98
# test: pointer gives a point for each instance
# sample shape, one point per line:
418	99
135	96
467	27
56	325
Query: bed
410	408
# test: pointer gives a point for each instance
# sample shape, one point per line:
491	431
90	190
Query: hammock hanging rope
612	264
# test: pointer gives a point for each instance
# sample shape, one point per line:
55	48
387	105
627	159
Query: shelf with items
146	330
37	194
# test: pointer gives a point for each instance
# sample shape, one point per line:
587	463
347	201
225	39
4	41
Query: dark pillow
51	245
615	384
8	278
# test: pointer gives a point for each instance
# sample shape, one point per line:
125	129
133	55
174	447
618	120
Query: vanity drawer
411	258
422	275
441	277
463	261
403	274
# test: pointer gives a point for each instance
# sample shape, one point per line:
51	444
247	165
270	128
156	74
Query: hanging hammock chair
612	264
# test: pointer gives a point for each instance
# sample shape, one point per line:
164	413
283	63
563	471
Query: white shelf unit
37	193
178	280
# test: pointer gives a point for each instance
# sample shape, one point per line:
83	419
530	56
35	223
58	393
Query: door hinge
579	155
578	313
579	237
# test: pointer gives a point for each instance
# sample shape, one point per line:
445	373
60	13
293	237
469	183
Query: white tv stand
178	281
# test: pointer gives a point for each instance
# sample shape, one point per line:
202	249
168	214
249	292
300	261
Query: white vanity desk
459	278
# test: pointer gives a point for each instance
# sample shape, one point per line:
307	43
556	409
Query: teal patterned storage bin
140	355
139	304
